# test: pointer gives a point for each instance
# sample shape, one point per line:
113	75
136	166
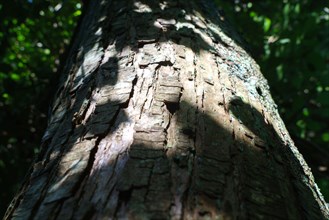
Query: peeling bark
162	114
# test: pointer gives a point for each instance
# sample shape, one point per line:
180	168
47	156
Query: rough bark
161	114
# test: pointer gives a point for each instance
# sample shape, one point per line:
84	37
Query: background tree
13	143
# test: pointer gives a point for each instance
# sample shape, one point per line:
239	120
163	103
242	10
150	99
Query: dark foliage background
289	39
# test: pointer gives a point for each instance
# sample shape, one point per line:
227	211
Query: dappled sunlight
141	8
185	147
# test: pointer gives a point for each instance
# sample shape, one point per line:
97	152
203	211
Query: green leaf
284	41
12	140
306	112
20	37
297	8
15	77
77	13
20	64
279	72
11	56
252	14
319	89
325	137
5	95
286	9
267	24
46	51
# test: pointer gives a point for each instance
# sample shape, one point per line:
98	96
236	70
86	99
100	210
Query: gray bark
161	114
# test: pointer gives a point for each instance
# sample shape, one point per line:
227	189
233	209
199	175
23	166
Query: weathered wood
161	114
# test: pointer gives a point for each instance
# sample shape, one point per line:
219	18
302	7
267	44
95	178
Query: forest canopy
288	39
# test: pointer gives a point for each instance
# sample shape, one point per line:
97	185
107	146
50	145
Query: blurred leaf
279	72
319	88
267	24
301	124
77	13
325	137
284	41
47	51
2	164
15	77
306	112
5	95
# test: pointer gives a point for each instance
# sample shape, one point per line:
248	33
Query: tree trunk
161	114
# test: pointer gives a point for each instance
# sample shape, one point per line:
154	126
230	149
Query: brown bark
161	114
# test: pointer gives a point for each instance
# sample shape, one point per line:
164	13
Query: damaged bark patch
172	107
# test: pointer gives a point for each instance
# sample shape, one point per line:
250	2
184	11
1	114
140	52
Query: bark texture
161	114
